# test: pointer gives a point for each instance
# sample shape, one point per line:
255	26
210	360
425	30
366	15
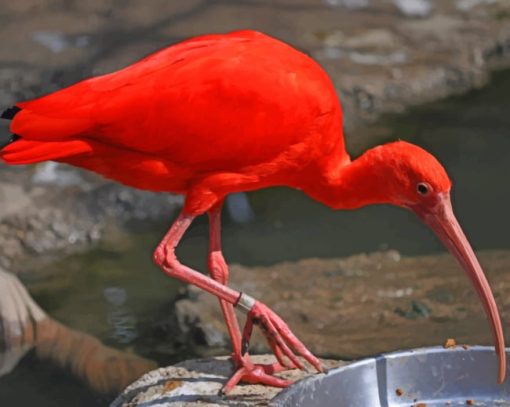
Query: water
105	291
114	292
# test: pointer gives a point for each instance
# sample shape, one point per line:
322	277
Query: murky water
114	291
106	291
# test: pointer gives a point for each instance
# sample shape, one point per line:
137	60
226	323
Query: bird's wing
213	100
77	109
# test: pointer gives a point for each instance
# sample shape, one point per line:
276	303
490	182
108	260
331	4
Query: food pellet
449	343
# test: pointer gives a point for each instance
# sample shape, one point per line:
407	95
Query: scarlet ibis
218	114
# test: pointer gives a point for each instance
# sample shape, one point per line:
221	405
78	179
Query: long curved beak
440	218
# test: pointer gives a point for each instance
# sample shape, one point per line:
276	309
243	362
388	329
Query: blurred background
427	71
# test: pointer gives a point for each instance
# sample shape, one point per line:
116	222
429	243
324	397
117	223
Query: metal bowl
434	376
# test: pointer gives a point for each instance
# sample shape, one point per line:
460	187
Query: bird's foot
281	339
248	372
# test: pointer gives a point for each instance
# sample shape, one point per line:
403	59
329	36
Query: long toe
257	374
276	367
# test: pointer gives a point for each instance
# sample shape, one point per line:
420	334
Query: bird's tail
14	149
9	114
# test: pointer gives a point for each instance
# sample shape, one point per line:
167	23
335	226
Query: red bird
218	114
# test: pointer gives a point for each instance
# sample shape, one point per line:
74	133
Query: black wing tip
5	142
10	112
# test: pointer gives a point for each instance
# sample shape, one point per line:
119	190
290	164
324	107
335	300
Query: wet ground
354	307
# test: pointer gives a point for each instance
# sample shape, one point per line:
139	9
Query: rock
58	209
14	199
197	383
199	325
466	5
414	8
349	4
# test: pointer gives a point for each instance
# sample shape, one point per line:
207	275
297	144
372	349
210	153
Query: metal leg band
245	303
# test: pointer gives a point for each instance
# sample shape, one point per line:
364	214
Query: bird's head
405	175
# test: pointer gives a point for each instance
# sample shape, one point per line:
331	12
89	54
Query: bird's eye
423	188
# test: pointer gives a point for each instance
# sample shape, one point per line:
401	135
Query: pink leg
247	371
219	271
277	332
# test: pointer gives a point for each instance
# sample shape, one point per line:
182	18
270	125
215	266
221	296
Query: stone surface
197	383
42	216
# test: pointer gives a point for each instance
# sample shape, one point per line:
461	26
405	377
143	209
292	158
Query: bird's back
208	104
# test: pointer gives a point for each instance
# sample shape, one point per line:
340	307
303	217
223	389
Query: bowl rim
281	397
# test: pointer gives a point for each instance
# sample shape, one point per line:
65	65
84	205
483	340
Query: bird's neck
350	185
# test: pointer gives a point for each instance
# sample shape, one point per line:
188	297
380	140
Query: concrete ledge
198	382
